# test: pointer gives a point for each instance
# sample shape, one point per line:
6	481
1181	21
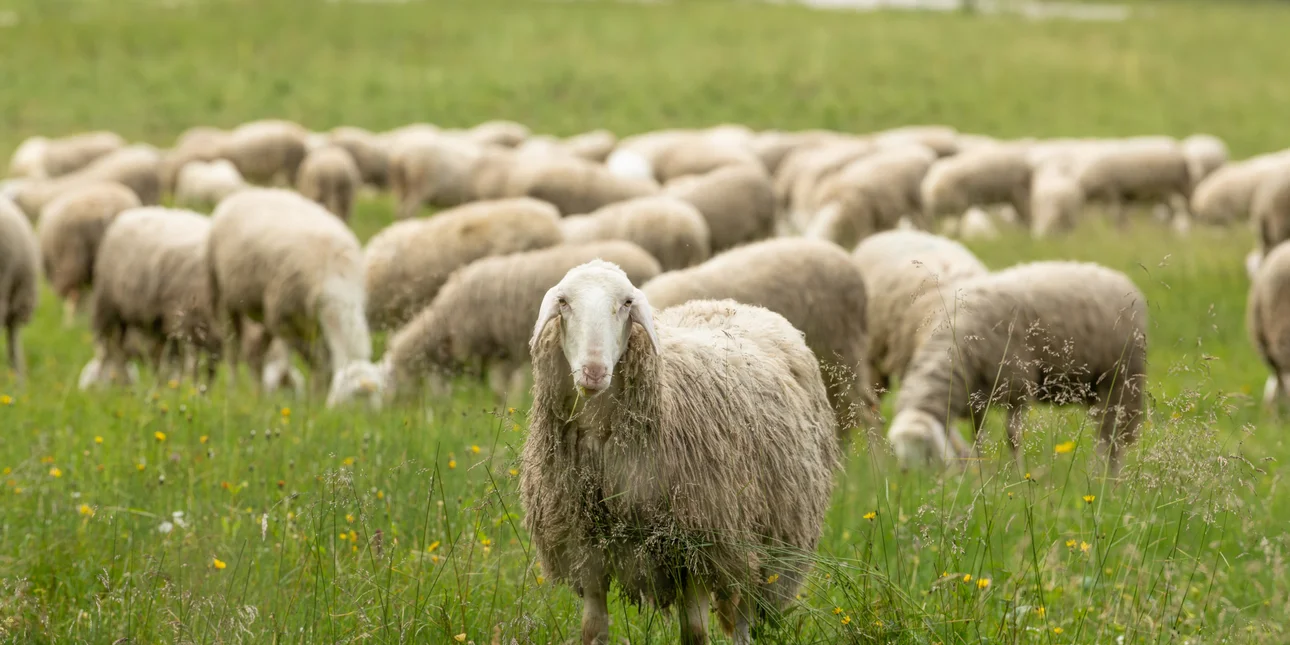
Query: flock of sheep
694	307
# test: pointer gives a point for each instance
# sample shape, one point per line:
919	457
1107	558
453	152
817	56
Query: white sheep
266	151
1226	195
593	145
43	158
283	261
431	168
738	202
1267	318
70	230
19	279
983	176
136	167
706	457
671	230
1056	201
372	158
202	184
573	185
1144	169
1205	153
330	177
507	134
200	143
1270	209
871	194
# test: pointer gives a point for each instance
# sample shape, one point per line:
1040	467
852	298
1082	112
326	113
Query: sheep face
355	380
918	438
596	305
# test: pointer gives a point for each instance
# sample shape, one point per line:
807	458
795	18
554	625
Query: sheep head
596	305
919	438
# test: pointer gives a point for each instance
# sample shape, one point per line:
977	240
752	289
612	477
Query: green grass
1190	547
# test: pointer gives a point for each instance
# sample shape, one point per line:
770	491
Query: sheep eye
627	302
562	302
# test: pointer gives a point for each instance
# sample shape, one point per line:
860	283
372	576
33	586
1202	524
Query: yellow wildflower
514	472
5	399
460	638
55	472
86	510
433	545
540	579
1058	630
870	515
434	559
967	577
510	410
837	610
46	460
218	563
846	620
172	384
98	439
983	583
380	494
349	518
474	449
877	623
286	412
140	467
1085	546
773	577
203	439
1063	448
1070	544
1041	611
348	461
1027	476
159	435
353	537
452	464
343	535
1088	499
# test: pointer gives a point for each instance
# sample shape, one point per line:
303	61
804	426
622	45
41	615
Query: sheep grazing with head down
1052	332
329	176
206	183
266	151
40	158
738	202
673	231
19	278
70	230
136	167
687	454
1267	317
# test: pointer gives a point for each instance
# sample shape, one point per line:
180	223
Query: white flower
178	517
264	526
166	527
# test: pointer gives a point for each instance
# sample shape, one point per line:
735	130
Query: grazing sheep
329	176
19	279
42	158
482	317
1267	317
507	134
200	143
871	195
135	167
1225	196
699	462
202	184
573	185
813	284
672	231
976	224
738	203
941	139
151	276
372	158
984	176
634	156
1136	170
70	230
909	278
266	151
431	169
1053	332
1056	201
1205	153
699	155
285	262
807	176
773	147
1270	208
593	145
407	263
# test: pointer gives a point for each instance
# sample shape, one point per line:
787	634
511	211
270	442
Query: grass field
305	525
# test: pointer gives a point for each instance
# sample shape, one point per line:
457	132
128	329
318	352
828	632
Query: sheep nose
593	375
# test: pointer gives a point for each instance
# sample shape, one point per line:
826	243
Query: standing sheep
1225	196
738	203
1205	153
984	176
197	144
573	185
136	167
1270	208
813	284
431	169
70	230
329	177
406	264
1053	332
482	318
19	279
372	158
1267	317
699	462
672	231
1136	170
871	195
1056	201
206	183
42	158
151	276
282	261
266	151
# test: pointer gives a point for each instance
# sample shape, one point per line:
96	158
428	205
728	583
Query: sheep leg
694	615
595	609
16	358
70	304
1272	391
738	613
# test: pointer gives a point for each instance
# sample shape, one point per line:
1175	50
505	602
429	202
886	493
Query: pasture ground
305	525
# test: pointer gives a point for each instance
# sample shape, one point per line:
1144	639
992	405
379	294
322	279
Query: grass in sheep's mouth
322	526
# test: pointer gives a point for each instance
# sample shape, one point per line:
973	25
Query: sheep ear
643	314
545	313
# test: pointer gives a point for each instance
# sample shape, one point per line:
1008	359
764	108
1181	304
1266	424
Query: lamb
136	167
1267	317
573	185
1056	201
813	284
202	184
19	279
483	316
406	264
909	278
285	262
266	151
329	176
984	176
42	158
201	143
1205	153
672	231
151	276
738	203
1270	208
70	230
1225	196
1054	332
699	462
871	195
1145	169
431	169
372	158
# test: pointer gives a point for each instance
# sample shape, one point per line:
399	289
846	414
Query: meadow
167	514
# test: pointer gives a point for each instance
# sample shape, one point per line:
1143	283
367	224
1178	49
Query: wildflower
348	461
5	399
837	610
98	440
282	483
433	545
178	517
47	460
514	472
773	577
17	491
510	410
343	536
55	472
460	638
225	485
1041	611
353	537
1088	499
159	435
474	449
349	518
452	464
203	439
1027	476
165	528
286	413
86	510
172	384
1058	630
1063	448
380	494
6	470
877	623
967	577
540	579
983	583
1070	544
1085	546
218	563
434	559
516	428
846	620
140	467
870	515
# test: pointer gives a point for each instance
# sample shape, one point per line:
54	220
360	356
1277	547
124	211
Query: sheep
19	279
137	167
1267	318
593	145
407	263
151	276
202	184
42	158
201	143
699	463
285	262
699	155
431	169
1054	332
266	151
372	158
70	230
482	317
672	231
507	134
813	284
1143	169
1270	209
909	277
773	147
329	176
634	156
1056	201
984	176
941	139
871	195
1225	196
1205	153
802	176
573	185
738	203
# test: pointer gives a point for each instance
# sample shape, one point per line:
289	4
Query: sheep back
671	230
1267	315
72	226
738	203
